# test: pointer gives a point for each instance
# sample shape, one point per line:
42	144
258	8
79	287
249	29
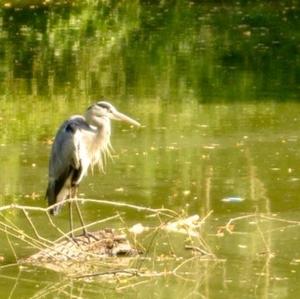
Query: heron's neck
98	123
100	146
99	143
102	127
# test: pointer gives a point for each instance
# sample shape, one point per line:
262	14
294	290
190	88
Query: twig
196	248
202	221
24	237
57	228
257	216
11	245
21	236
132	285
161	211
14	286
8	266
267	248
133	272
52	247
229	223
280	219
34	228
51	288
184	262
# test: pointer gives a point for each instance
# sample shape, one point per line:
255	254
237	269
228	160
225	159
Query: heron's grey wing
64	151
65	160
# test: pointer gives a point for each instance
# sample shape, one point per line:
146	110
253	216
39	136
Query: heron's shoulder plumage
75	122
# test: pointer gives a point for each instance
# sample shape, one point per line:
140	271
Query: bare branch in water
56	250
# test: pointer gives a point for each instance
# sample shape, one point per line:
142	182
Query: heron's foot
75	239
85	238
89	236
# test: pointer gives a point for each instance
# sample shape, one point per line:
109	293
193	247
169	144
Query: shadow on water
217	87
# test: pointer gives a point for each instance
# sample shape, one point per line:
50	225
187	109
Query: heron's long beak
122	117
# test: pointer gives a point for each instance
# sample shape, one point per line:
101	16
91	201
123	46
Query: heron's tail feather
51	197
58	191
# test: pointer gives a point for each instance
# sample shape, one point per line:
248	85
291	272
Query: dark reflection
233	51
21	27
28	52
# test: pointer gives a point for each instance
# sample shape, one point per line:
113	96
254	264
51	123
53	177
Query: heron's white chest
100	145
82	152
92	146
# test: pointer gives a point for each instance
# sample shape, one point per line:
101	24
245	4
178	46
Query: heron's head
102	110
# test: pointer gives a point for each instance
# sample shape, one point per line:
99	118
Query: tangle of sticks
50	245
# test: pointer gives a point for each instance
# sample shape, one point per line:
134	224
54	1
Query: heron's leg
71	219
78	211
72	235
84	230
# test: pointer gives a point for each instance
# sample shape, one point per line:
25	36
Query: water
216	87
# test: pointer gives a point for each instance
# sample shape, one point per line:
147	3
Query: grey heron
80	143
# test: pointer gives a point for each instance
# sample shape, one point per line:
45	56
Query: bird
81	142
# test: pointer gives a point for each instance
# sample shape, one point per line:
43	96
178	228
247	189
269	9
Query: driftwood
98	255
77	254
103	243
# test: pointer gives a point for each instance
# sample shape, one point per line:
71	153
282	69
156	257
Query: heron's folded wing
65	149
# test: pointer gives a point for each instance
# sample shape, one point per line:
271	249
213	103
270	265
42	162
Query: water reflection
249	267
190	157
111	49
